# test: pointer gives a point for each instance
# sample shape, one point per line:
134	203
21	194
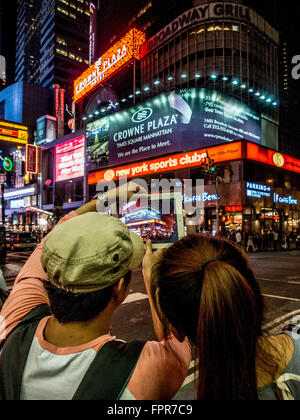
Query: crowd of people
205	302
267	241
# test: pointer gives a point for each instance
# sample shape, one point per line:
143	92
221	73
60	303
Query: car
20	240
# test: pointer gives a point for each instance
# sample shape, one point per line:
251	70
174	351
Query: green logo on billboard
142	115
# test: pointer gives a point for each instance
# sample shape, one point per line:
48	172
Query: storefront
236	201
276	209
18	205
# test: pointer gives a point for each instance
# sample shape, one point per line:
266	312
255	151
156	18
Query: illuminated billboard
13	133
172	122
125	50
273	158
223	153
69	159
46	130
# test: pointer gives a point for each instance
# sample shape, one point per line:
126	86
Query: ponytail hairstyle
204	288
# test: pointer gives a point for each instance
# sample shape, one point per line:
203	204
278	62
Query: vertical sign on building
56	106
61	131
93	34
32	158
59	110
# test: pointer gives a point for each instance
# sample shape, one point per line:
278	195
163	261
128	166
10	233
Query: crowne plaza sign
124	51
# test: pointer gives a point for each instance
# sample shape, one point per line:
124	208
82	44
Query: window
63	11
61	41
62	52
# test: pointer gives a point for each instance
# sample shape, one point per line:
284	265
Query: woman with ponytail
203	289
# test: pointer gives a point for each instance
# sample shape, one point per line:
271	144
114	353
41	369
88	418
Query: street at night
278	275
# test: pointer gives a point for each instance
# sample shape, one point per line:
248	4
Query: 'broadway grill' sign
196	15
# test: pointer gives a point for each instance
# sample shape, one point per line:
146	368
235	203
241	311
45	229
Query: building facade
227	46
7	42
51	49
224	46
205	83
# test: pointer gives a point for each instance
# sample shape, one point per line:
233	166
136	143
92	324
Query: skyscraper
147	15
284	16
113	20
52	42
7	42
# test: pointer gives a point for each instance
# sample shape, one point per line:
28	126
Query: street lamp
6	166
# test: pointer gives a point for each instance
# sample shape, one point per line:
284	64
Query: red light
234	209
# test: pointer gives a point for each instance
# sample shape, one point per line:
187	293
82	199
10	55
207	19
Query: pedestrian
238	238
68	291
259	241
284	242
250	243
265	241
298	241
270	240
276	237
288	240
233	235
204	288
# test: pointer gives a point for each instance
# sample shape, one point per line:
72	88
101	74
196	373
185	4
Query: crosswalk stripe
282	297
279	323
135	297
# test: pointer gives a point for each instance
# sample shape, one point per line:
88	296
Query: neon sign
70	158
125	50
204	197
272	158
13	133
234	209
257	191
285	200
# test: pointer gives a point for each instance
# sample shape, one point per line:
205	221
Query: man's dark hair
70	307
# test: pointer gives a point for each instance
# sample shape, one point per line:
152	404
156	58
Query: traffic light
6	165
209	167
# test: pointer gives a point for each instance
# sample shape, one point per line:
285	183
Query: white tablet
161	221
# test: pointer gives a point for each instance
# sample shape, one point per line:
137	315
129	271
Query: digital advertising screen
173	122
70	159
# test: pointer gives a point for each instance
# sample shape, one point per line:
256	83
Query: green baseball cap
91	252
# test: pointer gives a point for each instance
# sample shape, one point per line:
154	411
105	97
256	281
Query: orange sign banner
223	153
14	134
125	50
273	158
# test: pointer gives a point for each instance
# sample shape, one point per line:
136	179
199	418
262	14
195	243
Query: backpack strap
106	378
110	372
15	352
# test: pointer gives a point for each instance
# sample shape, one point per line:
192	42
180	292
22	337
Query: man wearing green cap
57	320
